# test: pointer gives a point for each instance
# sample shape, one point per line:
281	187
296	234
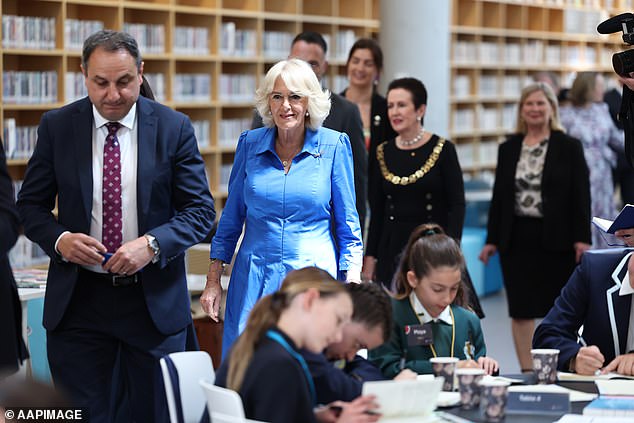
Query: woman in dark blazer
12	348
539	213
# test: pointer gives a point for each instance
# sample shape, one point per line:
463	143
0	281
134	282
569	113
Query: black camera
623	62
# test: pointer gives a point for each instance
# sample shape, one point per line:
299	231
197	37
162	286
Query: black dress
396	210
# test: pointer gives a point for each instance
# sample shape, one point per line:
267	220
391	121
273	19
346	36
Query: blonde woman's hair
266	313
300	79
582	88
555	123
428	248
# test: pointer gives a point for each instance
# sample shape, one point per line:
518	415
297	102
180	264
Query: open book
406	400
624	220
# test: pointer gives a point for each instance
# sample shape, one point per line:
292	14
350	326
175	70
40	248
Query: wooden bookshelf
496	48
286	17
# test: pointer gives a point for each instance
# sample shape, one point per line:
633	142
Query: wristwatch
153	245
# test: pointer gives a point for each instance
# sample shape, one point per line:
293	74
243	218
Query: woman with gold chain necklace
417	179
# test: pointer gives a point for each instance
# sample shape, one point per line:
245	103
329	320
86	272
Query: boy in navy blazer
598	296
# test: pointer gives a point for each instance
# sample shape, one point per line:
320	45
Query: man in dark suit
598	296
344	116
12	350
132	196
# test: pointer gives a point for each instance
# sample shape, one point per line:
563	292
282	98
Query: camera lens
623	62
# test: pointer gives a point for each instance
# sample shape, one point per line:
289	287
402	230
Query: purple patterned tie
111	235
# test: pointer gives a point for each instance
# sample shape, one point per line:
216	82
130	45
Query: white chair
222	401
181	373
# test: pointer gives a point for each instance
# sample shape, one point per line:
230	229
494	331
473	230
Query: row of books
532	51
25	87
191	40
230	130
74	86
276	44
202	131
236	88
465	120
19	141
76	31
28	32
149	37
192	87
237	42
157	82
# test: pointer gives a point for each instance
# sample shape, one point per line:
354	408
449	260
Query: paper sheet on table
401	401
578	418
575	396
615	387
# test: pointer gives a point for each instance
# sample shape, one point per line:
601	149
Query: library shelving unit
496	48
202	57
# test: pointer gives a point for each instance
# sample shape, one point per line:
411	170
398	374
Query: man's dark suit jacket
565	194
13	348
590	298
174	202
344	117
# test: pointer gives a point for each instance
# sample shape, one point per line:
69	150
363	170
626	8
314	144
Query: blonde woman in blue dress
292	187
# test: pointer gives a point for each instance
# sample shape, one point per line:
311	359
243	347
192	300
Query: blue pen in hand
106	257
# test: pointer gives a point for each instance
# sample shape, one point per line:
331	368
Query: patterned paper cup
468	386
545	365
445	367
493	396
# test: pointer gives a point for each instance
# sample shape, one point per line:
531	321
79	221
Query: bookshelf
202	57
496	48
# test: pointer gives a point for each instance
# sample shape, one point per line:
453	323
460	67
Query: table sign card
537	399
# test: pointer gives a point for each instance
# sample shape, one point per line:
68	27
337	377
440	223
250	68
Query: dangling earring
307	114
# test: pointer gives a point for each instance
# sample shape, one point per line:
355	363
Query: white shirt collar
127	121
626	288
423	314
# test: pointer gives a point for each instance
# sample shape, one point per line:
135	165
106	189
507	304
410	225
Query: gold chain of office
406	180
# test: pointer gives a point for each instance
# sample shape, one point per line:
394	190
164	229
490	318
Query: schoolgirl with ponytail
264	365
429	294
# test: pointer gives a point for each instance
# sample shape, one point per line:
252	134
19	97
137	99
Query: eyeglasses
292	98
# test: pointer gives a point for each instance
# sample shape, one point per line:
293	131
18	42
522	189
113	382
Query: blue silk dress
304	218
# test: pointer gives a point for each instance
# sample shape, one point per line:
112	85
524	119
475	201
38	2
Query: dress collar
311	142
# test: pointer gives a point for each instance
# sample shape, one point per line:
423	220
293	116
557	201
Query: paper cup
445	367
493	395
468	385
545	365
